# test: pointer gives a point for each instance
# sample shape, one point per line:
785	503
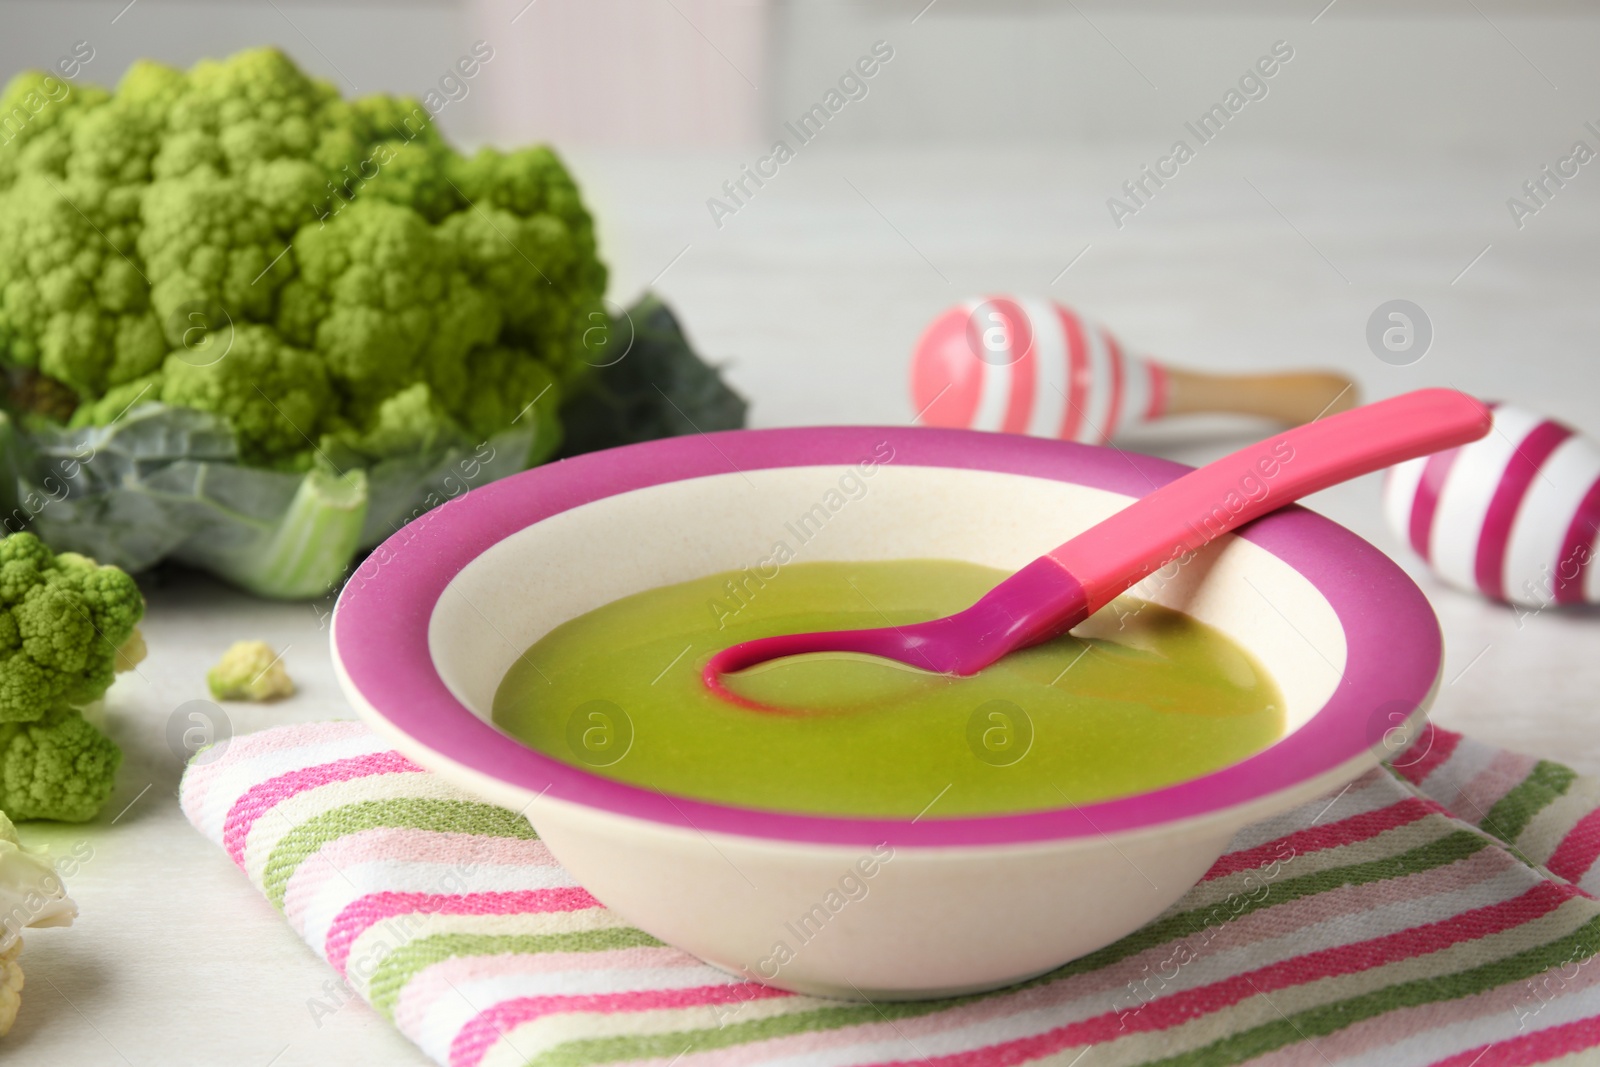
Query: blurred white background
1378	164
1411	75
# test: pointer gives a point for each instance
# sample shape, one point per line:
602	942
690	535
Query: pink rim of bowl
380	632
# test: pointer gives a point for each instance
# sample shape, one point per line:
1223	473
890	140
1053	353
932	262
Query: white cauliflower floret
31	895
250	670
10	986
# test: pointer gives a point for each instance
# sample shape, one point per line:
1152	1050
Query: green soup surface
1136	698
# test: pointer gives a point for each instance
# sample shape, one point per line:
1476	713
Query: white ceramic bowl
879	908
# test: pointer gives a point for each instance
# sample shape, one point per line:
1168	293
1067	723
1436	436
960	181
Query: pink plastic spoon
1060	589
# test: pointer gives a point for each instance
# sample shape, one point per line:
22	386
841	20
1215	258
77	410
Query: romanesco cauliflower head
342	248
63	619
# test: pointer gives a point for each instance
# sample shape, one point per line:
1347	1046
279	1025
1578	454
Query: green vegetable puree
1136	698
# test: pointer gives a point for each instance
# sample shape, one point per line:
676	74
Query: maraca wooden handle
1293	398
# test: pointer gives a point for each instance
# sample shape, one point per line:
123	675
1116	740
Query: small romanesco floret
59	767
66	626
31	895
250	670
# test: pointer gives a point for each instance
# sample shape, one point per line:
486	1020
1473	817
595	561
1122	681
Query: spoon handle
1197	508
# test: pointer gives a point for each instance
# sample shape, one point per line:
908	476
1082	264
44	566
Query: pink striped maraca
1512	516
1033	366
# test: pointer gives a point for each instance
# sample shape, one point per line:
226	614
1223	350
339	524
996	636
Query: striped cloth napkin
1442	913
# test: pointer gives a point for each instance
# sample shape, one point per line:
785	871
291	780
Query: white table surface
815	291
